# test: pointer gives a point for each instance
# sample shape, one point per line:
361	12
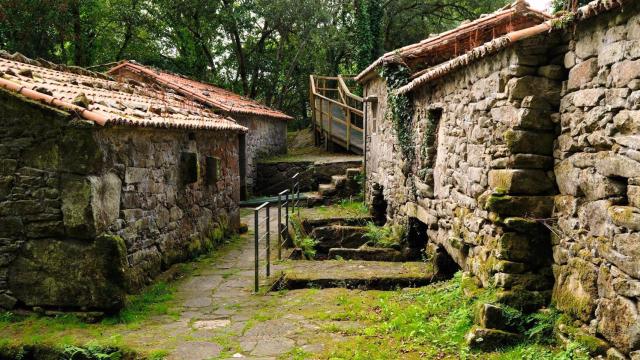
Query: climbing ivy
399	107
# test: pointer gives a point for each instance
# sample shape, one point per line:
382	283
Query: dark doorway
378	205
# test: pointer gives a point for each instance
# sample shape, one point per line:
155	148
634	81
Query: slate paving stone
273	347
196	350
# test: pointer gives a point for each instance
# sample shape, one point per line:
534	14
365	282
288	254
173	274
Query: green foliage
400	109
91	353
542	325
386	236
153	301
301	239
566	5
264	49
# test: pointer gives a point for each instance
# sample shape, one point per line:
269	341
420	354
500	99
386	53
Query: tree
263	49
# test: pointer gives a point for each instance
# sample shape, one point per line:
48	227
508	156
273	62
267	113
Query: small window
188	168
213	170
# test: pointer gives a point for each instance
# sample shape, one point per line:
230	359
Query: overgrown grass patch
153	301
427	323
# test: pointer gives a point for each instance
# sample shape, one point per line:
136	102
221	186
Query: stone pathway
220	310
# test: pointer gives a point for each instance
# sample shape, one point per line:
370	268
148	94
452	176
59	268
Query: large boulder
70	274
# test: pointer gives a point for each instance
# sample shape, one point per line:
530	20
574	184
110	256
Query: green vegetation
345	209
400	109
431	323
262	49
385	236
301	239
153	301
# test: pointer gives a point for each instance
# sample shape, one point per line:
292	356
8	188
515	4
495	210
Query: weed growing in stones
386	236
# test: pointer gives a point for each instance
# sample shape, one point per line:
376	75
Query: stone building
267	134
519	160
104	184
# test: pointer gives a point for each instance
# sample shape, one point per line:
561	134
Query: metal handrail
257	239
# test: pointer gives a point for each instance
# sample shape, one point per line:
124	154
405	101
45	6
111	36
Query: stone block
493	317
519	88
623	72
21	207
611	53
519	247
633	50
616	98
576	288
619	323
537	103
614	165
553	72
633	194
533	119
6	185
134	175
52	273
595	186
524	300
45	229
627	122
588	97
530	161
588	44
528	142
7	302
105	200
520	206
76	207
490	339
520	182
528	281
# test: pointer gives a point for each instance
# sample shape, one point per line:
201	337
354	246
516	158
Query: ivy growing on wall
399	107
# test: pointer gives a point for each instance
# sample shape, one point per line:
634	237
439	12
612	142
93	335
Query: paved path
220	310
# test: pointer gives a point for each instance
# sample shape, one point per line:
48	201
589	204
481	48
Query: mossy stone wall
89	214
597	237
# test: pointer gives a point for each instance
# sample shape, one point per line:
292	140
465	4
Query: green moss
567	301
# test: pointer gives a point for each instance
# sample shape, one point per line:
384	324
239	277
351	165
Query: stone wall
89	214
274	177
482	175
597	243
266	137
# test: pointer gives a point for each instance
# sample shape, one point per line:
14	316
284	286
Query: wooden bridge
337	113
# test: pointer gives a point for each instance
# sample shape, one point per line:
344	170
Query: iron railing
289	201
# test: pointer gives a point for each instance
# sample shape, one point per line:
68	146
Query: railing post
287	211
256	214
348	115
279	227
268	240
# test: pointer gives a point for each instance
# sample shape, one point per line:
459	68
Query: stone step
326	189
339	181
314	199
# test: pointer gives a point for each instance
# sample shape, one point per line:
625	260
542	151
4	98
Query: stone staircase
341	187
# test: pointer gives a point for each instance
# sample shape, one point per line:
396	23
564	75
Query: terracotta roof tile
453	43
216	97
110	102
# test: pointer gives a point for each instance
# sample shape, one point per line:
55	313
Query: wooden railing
337	113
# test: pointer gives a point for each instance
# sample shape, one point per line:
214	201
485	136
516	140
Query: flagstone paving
216	315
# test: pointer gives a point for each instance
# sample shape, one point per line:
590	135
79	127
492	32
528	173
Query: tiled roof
107	102
216	97
453	43
592	9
